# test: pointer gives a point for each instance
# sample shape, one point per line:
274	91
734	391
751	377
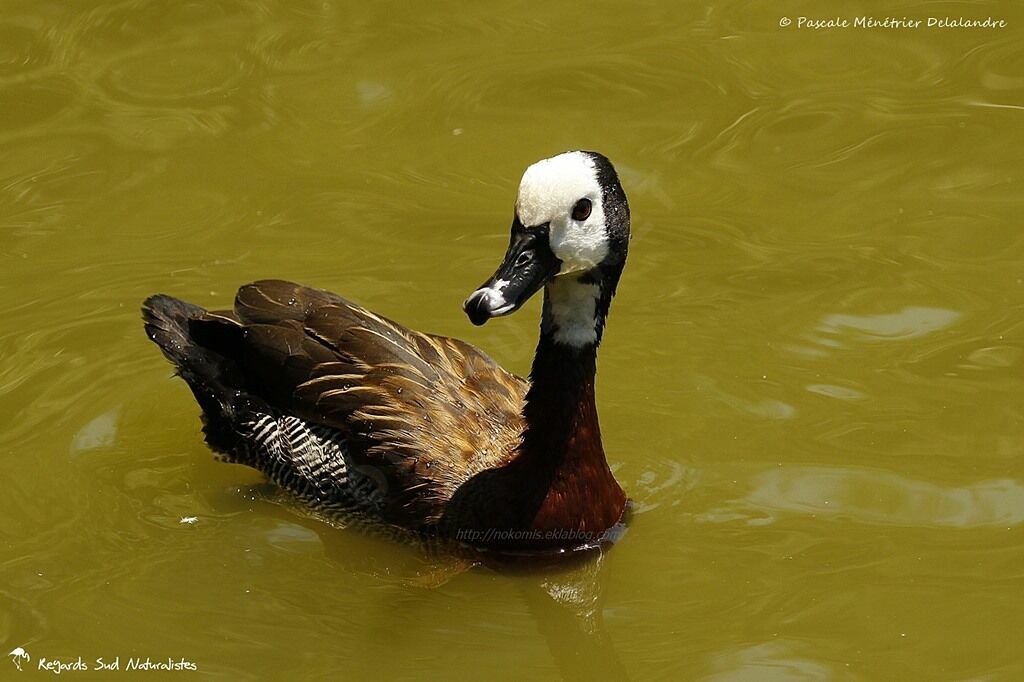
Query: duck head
570	235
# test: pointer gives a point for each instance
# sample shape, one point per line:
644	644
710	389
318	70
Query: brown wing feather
427	412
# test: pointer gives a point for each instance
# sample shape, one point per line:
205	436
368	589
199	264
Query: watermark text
23	661
873	22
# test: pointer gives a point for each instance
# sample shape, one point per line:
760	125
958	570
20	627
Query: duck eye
581	211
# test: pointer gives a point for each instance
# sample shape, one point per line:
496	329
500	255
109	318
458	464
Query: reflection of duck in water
559	597
354	412
568	609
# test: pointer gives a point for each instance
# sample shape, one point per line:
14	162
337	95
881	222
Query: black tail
166	321
213	377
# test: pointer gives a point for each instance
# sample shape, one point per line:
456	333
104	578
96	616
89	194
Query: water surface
811	381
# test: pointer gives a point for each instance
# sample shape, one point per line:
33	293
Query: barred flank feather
309	460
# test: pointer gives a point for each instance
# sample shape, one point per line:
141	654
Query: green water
810	384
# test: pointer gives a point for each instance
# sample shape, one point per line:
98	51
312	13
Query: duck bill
528	265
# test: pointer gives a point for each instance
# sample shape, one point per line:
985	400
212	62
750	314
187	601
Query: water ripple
883	498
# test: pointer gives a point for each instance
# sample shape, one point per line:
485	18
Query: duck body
355	413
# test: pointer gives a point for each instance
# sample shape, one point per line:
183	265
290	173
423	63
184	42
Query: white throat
573	311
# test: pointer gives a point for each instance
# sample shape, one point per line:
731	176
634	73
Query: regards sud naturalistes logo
23	660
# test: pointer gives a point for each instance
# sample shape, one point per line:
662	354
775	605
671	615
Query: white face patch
573	311
547	194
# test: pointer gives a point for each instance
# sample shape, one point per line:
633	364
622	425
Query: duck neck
562	437
560	409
